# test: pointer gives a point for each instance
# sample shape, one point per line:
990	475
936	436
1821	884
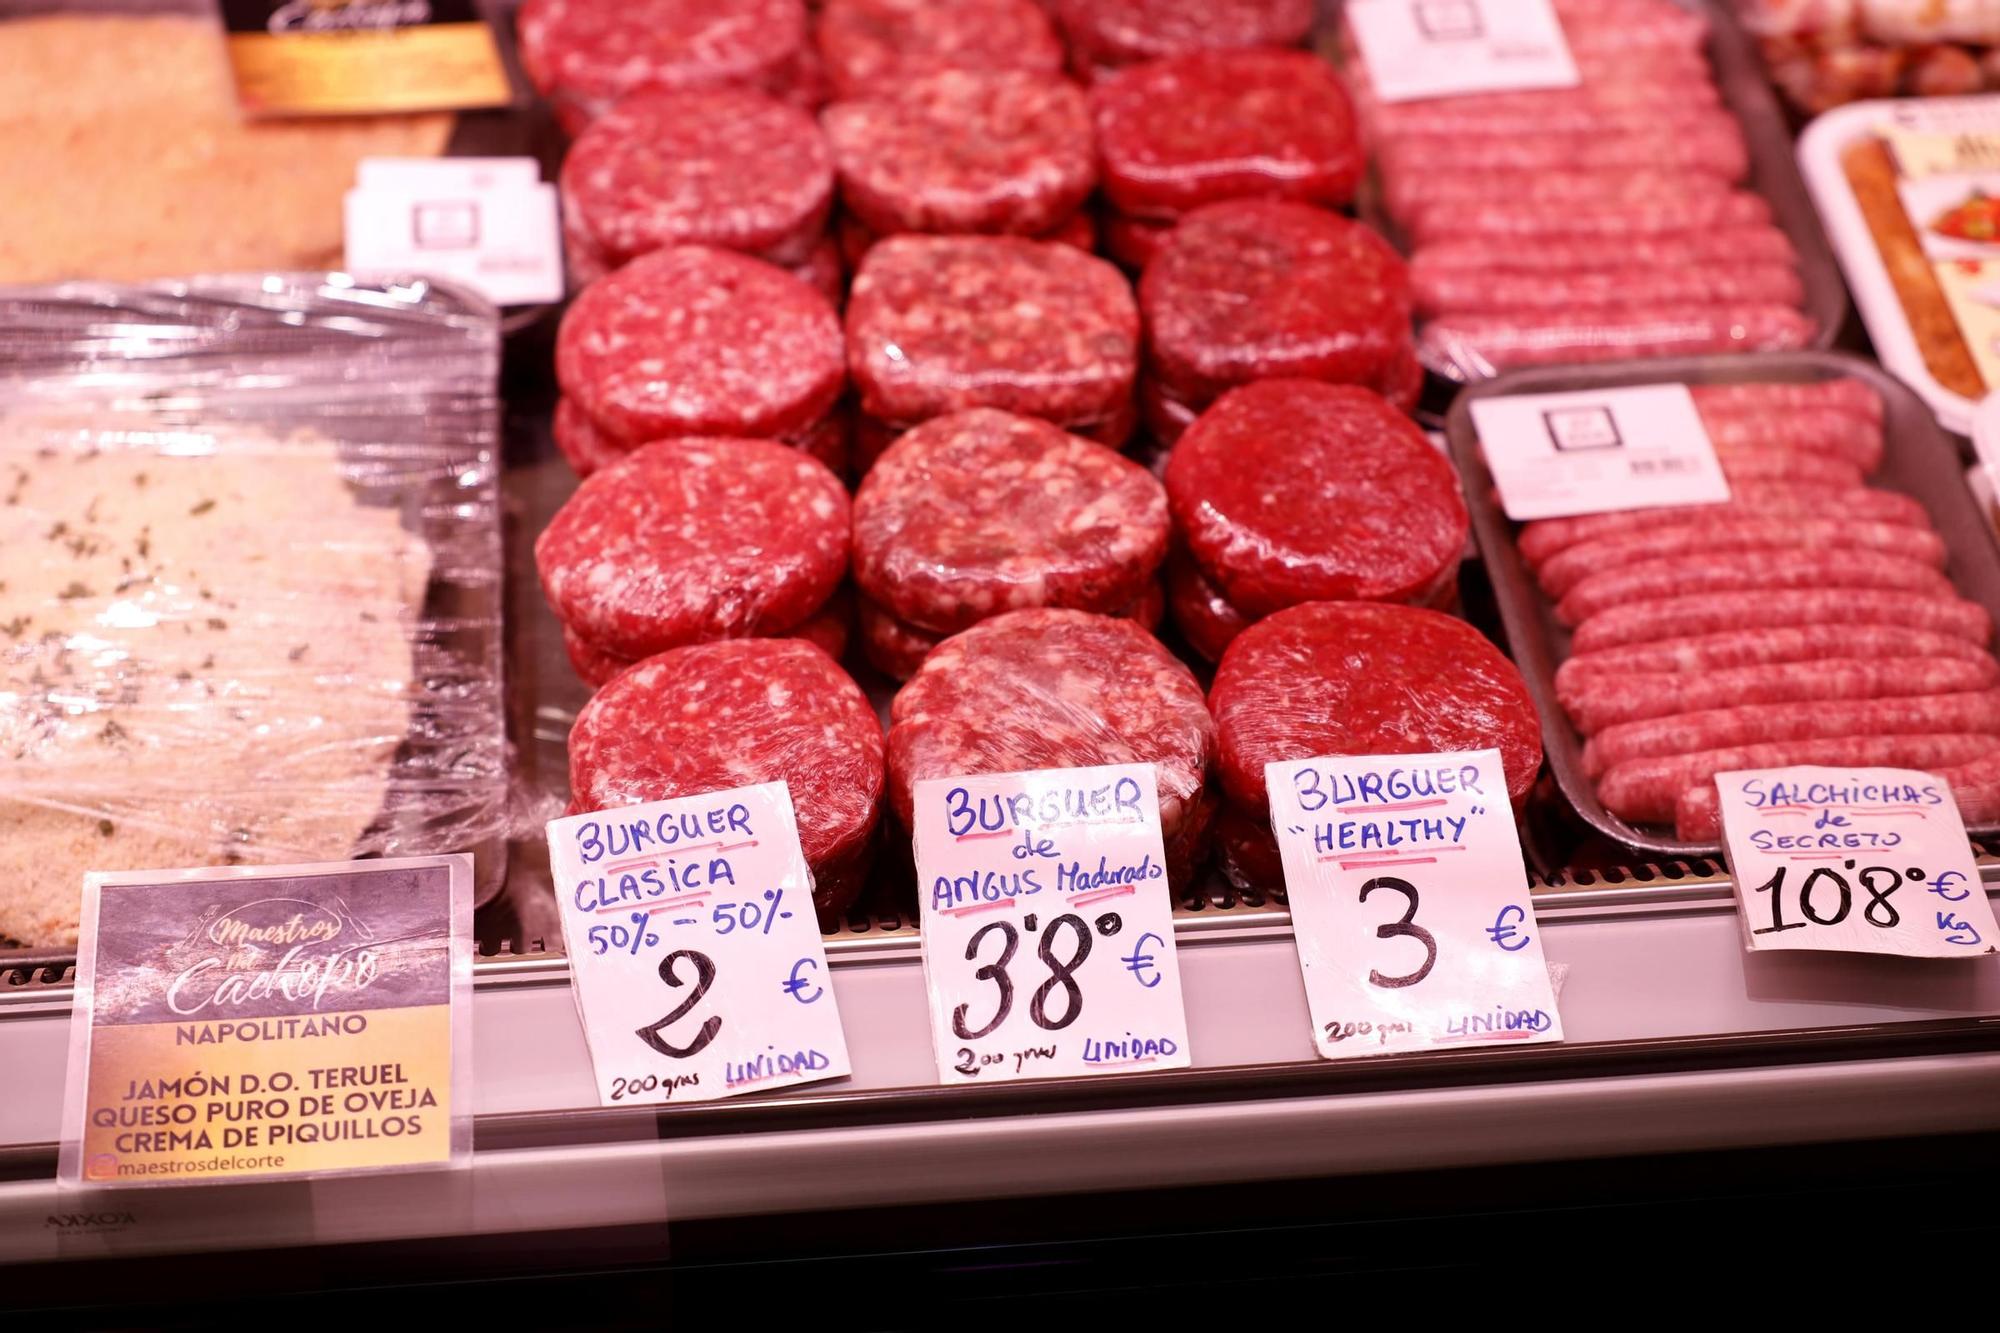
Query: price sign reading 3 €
694	950
1410	903
1857	860
1048	925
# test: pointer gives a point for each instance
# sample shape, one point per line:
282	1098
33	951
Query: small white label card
694	951
1857	860
1446	48
1048	925
1597	450
1410	903
490	223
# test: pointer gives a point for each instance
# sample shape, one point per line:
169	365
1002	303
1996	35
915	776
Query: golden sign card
251	1023
356	57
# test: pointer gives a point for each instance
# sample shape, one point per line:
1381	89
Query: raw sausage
1487	344
1565	569
1446	291
1754	647
1601	701
1686	617
1756	724
1690	575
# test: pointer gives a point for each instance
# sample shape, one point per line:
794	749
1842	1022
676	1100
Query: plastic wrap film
1359	678
1105	33
1290	491
1822	53
980	512
1053	689
690	540
250	589
875	46
719	715
965	151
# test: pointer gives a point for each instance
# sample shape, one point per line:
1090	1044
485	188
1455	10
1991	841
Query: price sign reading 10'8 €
1048	925
694	949
1410	903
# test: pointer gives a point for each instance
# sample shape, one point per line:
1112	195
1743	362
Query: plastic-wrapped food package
727	167
696	539
583	55
875	46
1197	129
897	648
1054	689
980	512
719	715
247	603
586	448
1365	678
1290	491
1206	618
1105	33
1822	53
965	151
857	237
826	628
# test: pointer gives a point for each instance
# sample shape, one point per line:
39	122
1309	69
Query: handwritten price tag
1410	903
1048	926
1598	450
1857	860
1446	48
693	947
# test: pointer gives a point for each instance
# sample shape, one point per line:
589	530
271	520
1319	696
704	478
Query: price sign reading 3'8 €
695	952
1048	924
1856	860
1410	903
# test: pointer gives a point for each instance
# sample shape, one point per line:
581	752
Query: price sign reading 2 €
1048	925
695	954
1410	903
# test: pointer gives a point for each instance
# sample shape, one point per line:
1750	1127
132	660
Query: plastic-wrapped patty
1290	491
937	324
586	448
874	46
1254	289
1053	689
720	715
964	151
897	648
827	629
1340	678
697	340
728	167
690	540
1197	129
1206	618
583	55
980	512
1119	32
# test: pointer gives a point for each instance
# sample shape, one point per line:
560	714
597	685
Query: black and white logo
1574	428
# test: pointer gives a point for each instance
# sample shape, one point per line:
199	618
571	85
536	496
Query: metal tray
1920	461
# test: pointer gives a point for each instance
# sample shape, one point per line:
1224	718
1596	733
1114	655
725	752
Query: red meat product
876	46
1510	221
1565	569
1619	31
1646	790
1814	430
965	151
1487	344
1449	291
582	445
1331	678
1053	689
1842	395
1132	241
1206	619
823	271
1599	701
1290	491
583	55
1166	416
938	324
720	715
1752	466
1730	648
1403	385
897	648
1570	111
717	166
1636	187
1120	32
825	628
1711	145
1195	129
1687	617
980	512
1758	724
690	540
1744	244
698	340
1686	576
1256	289
856	237
1247	852
1545	537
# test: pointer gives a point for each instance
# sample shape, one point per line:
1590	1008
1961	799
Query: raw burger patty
583	55
719	715
1358	678
690	540
1119	32
1207	619
586	448
876	46
826	628
897	648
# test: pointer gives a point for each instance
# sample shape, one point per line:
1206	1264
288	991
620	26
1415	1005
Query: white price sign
1856	860
1416	49
1410	903
490	223
1048	925
1598	450
694	951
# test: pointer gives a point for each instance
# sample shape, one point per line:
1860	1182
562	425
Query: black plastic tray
1920	461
